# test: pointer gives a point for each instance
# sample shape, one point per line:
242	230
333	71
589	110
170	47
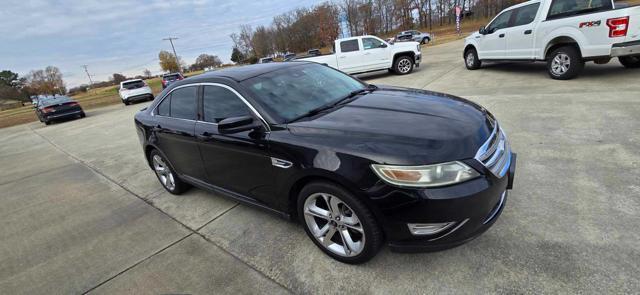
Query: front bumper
626	49
138	97
474	206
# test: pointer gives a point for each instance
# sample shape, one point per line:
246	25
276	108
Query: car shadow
384	73
610	70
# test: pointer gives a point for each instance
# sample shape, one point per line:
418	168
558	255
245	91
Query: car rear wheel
338	223
630	62
425	40
471	60
126	102
47	122
564	63
167	177
403	65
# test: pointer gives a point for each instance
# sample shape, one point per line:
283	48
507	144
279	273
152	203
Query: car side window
220	103
526	14
164	107
349	45
501	22
184	103
371	43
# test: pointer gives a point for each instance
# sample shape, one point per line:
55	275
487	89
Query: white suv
135	90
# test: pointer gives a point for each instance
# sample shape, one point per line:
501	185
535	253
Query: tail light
164	82
73	104
618	26
48	110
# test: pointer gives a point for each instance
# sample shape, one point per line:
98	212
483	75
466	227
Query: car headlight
427	175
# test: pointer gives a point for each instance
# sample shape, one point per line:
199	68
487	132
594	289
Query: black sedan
356	164
52	108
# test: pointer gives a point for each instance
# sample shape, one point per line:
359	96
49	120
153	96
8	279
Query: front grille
495	153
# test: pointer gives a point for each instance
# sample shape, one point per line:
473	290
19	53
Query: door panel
521	35
376	54
494	44
176	139
350	56
237	162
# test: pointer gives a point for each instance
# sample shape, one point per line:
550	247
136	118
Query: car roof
242	73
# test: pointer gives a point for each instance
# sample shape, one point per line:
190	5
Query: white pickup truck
370	53
564	33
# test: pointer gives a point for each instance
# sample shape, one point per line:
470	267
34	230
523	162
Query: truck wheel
403	65
471	60
564	63
630	62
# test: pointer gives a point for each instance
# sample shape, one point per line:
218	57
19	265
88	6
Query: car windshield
292	92
170	77
50	100
133	84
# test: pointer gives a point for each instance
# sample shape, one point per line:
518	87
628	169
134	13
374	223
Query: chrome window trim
244	100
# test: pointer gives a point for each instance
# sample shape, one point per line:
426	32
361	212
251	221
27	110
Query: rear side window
183	103
526	14
565	8
349	45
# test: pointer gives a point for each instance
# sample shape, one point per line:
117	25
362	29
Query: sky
114	36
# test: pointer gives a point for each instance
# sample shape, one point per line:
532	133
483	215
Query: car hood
411	45
402	126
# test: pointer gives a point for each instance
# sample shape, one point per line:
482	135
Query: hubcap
470	59
164	173
404	66
334	224
560	64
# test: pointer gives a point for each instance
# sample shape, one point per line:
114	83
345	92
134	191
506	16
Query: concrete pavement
81	211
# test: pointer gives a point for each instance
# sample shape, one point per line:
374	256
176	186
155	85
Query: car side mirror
238	124
383	45
482	31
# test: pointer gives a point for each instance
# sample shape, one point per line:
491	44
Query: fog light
423	229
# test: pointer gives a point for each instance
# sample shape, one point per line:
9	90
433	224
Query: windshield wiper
344	100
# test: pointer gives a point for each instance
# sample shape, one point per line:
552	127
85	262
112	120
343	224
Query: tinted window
220	103
133	84
562	8
501	22
288	94
183	103
349	46
171	77
371	43
526	14
164	107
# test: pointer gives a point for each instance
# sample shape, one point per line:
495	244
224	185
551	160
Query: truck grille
495	153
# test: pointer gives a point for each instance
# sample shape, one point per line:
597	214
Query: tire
403	65
82	115
166	175
564	63
47	122
471	60
361	229
425	40
630	62
126	102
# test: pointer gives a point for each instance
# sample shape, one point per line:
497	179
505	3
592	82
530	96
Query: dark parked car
356	164
50	108
167	79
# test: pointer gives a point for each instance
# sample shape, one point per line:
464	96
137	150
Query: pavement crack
219	215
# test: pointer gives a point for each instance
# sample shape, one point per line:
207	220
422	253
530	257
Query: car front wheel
403	65
471	60
338	223
631	62
167	177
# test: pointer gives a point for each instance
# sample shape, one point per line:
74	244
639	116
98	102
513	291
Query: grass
92	99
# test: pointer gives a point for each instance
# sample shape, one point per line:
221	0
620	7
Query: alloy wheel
560	64
334	224
470	59
404	66
164	173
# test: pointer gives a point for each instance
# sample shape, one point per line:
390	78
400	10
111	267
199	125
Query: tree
117	78
146	73
7	78
47	81
169	62
206	61
237	56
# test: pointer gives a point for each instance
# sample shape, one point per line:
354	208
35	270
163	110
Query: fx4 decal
596	23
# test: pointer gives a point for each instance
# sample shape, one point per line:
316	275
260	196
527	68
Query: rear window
565	8
53	101
133	85
171	77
